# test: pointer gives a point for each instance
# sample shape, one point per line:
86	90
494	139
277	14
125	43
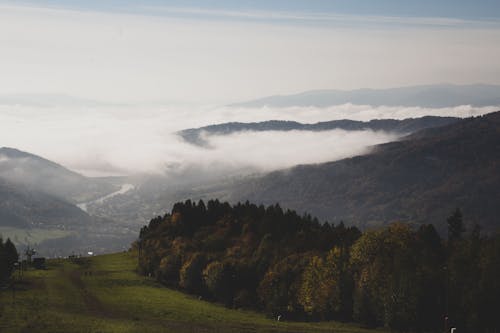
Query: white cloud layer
127	139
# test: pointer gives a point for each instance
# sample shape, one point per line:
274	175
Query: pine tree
455	225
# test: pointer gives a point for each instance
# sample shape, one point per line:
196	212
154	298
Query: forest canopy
293	266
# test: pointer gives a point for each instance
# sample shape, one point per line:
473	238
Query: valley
61	212
123	189
419	178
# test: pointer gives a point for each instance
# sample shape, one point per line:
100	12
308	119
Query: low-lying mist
275	149
118	140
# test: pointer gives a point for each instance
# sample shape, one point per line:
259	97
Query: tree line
8	257
293	266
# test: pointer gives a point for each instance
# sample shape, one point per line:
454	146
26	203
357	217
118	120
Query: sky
228	51
102	86
464	9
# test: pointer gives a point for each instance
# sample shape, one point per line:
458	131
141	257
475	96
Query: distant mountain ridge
405	126
430	96
420	179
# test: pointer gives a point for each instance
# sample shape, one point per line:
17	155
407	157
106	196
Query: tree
489	285
384	263
168	271
326	289
279	287
8	257
190	275
11	252
431	279
290	265
317	289
219	279
455	225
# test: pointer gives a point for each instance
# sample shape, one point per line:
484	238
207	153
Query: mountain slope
43	175
25	208
432	96
54	226
37	207
420	179
405	126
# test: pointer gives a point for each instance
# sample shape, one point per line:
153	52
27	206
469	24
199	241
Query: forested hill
291	266
402	127
226	252
419	180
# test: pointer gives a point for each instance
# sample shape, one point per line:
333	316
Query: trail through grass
104	294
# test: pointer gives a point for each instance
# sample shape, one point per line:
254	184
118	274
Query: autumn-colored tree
190	275
219	279
270	259
317	289
385	273
168	270
278	289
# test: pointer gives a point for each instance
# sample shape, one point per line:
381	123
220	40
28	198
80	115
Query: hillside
46	176
419	179
402	127
104	294
55	227
155	194
22	207
37	207
432	96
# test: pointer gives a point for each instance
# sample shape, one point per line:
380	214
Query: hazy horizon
102	86
187	52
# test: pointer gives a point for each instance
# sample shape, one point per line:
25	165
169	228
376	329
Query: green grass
106	295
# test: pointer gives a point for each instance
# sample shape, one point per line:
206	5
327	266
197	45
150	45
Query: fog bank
115	140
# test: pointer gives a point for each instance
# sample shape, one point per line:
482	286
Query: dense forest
265	258
8	257
418	179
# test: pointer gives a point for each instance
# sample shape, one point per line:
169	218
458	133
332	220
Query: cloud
357	112
273	150
104	139
334	19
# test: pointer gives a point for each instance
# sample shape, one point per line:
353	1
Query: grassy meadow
104	294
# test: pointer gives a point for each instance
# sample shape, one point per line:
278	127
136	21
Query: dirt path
96	308
92	303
